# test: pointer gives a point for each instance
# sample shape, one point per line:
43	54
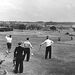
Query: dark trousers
19	66
48	51
27	52
9	45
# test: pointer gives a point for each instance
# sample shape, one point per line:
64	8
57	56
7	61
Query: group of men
20	53
23	49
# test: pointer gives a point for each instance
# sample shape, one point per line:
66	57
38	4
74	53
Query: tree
53	28
22	26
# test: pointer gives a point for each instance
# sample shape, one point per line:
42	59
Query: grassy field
63	53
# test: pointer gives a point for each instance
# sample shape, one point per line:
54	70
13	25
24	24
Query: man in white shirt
48	43
9	42
27	46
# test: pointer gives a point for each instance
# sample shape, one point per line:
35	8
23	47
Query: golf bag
14	64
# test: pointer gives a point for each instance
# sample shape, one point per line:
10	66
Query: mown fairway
63	53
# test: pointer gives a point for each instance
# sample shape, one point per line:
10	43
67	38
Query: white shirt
48	42
9	40
27	44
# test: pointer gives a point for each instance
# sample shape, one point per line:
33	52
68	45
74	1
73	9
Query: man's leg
9	48
50	52
16	67
21	67
46	53
25	53
28	54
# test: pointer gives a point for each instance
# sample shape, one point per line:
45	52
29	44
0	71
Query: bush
67	33
6	29
34	27
53	28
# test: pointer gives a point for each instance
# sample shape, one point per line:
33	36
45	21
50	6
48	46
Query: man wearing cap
19	57
48	43
27	46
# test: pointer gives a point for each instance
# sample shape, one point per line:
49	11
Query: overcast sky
37	10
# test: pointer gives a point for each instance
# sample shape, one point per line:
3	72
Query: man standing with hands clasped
48	43
27	46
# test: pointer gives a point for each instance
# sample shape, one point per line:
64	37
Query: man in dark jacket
19	57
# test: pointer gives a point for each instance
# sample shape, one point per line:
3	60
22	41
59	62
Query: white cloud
37	10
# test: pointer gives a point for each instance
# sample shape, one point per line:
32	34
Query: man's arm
43	43
15	52
31	45
52	42
6	36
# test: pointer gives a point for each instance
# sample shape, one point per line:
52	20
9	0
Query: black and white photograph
37	37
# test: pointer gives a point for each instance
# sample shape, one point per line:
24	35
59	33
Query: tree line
26	27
